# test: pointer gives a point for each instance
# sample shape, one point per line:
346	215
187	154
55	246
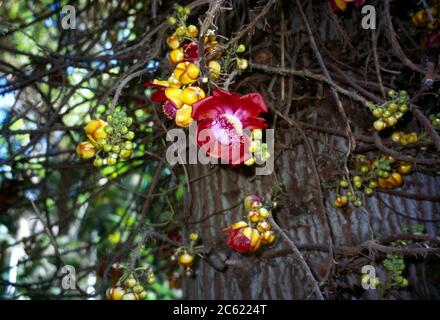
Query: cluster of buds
384	172
435	120
185	256
257	148
246	237
389	113
341	5
182	88
180	91
395	266
108	141
404	138
130	287
428	18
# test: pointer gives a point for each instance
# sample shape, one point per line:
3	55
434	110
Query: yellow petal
92	126
236	226
191	95
255	240
192	71
85	150
161	83
183	116
175	95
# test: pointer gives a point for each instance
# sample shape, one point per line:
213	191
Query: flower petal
159	96
251	105
207	108
252	123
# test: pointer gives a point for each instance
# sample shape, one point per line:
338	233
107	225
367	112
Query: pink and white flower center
227	129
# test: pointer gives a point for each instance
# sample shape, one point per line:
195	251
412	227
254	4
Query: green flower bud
128	121
392	93
125	154
97	162
116	149
171	21
108	129
111	161
107	148
124	130
102	141
129	135
128	145
241	48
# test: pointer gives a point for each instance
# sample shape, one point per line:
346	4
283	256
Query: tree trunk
275	274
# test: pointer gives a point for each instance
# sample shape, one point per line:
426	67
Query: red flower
243	238
223	117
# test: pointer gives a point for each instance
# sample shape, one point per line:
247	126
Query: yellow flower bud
176	55
242	64
263	213
186	72
257	134
193	236
263	226
86	150
192	31
214	69
183	116
95	130
268	237
173	41
253	216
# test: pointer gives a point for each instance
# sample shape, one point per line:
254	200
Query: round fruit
240	49
403	108
391	121
343	183
357	203
341	201
379	125
171	21
143	295
404	168
117	293
186	260
193	236
181	31
130	282
392	93
138	288
111	161
396	136
97	162
130	296
378	112
392	108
